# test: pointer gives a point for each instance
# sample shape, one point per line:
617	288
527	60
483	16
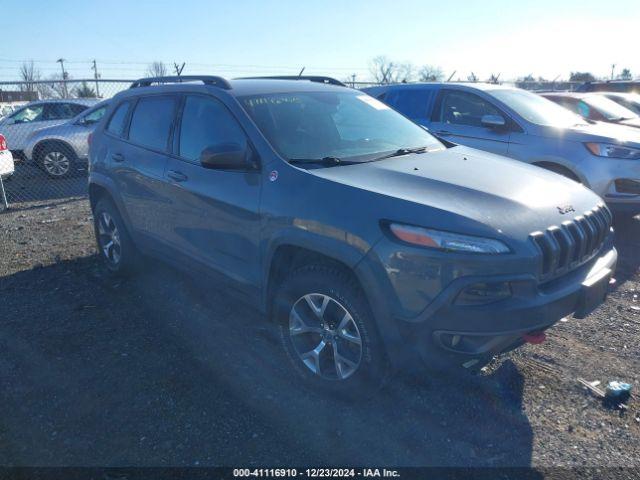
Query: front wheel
328	331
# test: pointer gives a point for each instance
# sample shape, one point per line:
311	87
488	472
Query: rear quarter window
117	121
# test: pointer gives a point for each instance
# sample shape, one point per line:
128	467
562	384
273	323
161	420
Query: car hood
493	193
597	132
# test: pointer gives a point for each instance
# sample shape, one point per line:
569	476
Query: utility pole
178	68
353	80
613	68
96	76
64	78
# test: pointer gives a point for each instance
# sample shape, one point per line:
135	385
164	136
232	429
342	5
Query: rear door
457	117
138	162
213	214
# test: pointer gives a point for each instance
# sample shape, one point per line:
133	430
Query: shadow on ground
156	371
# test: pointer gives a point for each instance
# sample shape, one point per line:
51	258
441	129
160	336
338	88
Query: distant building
7	96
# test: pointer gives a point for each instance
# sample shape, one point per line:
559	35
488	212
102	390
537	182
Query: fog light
483	293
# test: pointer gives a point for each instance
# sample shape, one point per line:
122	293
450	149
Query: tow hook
535	338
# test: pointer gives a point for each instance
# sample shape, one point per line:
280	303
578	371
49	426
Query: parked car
627	100
361	235
61	149
597	108
6	159
624	86
35	115
524	126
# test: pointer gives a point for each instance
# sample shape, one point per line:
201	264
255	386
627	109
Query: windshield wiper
326	161
400	152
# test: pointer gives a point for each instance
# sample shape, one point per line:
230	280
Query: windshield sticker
377	104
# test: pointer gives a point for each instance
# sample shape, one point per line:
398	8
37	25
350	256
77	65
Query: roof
567	94
82	101
417	85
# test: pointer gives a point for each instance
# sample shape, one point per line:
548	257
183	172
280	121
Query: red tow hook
535	338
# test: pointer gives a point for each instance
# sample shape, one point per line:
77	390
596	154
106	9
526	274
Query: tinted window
28	114
118	119
151	122
463	108
59	111
411	102
77	109
206	122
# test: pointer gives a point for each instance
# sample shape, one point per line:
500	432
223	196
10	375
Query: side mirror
493	121
225	156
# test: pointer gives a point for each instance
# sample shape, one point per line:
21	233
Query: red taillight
3	143
89	138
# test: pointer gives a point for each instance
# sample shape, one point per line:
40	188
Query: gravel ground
161	370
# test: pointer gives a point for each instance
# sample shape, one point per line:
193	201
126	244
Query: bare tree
581	77
384	70
429	73
625	74
157	69
29	74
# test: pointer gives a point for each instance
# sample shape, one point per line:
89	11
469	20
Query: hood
597	132
497	194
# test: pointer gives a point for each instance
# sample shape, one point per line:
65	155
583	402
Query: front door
458	119
214	214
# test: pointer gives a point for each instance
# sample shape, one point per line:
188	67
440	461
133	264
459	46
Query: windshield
608	108
345	125
537	109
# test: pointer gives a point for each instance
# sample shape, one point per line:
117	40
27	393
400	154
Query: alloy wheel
325	336
109	238
56	164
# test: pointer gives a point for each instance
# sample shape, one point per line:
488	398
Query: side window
32	113
58	111
118	119
77	109
95	115
412	103
151	122
464	108
207	122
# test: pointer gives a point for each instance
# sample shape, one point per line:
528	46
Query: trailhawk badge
563	209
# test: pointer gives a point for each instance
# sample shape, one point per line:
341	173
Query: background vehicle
627	100
363	237
62	148
527	127
598	108
35	115
625	86
6	159
8	109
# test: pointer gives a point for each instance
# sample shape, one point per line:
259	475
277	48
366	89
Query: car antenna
301	71
451	76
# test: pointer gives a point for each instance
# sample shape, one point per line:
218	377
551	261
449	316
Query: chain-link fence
46	125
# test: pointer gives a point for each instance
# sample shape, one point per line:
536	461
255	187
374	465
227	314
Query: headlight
447	241
613	151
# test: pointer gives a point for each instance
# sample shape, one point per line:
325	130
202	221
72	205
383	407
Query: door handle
117	157
177	176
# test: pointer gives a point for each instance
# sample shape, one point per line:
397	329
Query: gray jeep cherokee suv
368	241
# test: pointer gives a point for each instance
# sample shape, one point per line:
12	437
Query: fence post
4	195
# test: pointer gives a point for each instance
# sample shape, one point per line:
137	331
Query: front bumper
447	335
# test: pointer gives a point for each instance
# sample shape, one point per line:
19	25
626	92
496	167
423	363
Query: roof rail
310	78
206	79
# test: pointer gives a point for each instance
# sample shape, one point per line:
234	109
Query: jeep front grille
574	242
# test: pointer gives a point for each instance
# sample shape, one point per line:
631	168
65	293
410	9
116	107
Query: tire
57	160
311	339
115	247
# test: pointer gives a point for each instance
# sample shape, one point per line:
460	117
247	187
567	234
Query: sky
337	38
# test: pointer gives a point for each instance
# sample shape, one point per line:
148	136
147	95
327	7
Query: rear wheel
328	331
114	244
58	161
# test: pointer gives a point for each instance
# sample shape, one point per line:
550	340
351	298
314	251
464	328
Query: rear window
151	122
116	123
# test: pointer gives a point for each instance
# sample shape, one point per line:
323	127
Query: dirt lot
162	370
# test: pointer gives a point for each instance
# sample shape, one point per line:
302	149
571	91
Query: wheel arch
560	169
40	147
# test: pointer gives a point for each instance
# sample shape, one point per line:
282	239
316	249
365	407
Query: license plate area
593	292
